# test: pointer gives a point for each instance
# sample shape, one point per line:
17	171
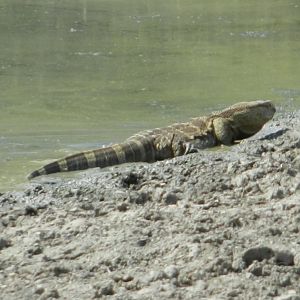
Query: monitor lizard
226	127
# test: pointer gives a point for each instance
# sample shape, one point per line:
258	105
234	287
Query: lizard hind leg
190	147
199	143
223	131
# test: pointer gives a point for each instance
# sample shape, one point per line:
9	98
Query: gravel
211	225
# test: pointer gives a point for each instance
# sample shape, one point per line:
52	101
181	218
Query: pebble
170	198
153	276
171	272
39	290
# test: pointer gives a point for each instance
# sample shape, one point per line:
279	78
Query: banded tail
132	151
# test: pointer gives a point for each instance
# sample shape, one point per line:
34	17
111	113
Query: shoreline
215	224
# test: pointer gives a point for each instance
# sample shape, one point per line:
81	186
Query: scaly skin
237	122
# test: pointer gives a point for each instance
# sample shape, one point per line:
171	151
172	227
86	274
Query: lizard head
249	117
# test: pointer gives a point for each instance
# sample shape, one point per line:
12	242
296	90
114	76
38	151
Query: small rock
297	259
4	243
170	198
50	294
219	266
202	229
158	194
47	235
185	280
275	231
127	278
142	242
290	295
86	274
153	215
30	211
233	293
255	268
266	270
296	162
275	193
256	173
232	167
234	222
38	189
129	179
171	272
285	281
122	207
238	265
139	197
194	251
272	291
5	221
284	258
153	276
107	289
39	290
58	270
259	254
35	249
240	180
99	213
87	206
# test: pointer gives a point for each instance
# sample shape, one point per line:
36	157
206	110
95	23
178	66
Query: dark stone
139	197
35	250
30	211
122	207
171	198
87	206
58	270
4	243
142	242
284	258
259	254
129	179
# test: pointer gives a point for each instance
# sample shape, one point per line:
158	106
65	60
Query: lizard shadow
274	135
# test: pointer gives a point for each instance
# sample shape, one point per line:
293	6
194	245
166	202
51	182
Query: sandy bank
217	225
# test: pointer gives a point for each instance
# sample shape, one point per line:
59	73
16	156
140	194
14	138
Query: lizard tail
131	151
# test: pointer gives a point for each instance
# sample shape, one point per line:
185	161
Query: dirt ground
220	224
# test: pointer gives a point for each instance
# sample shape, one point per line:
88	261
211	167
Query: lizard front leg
223	131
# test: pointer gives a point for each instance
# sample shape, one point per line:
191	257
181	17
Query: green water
77	74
